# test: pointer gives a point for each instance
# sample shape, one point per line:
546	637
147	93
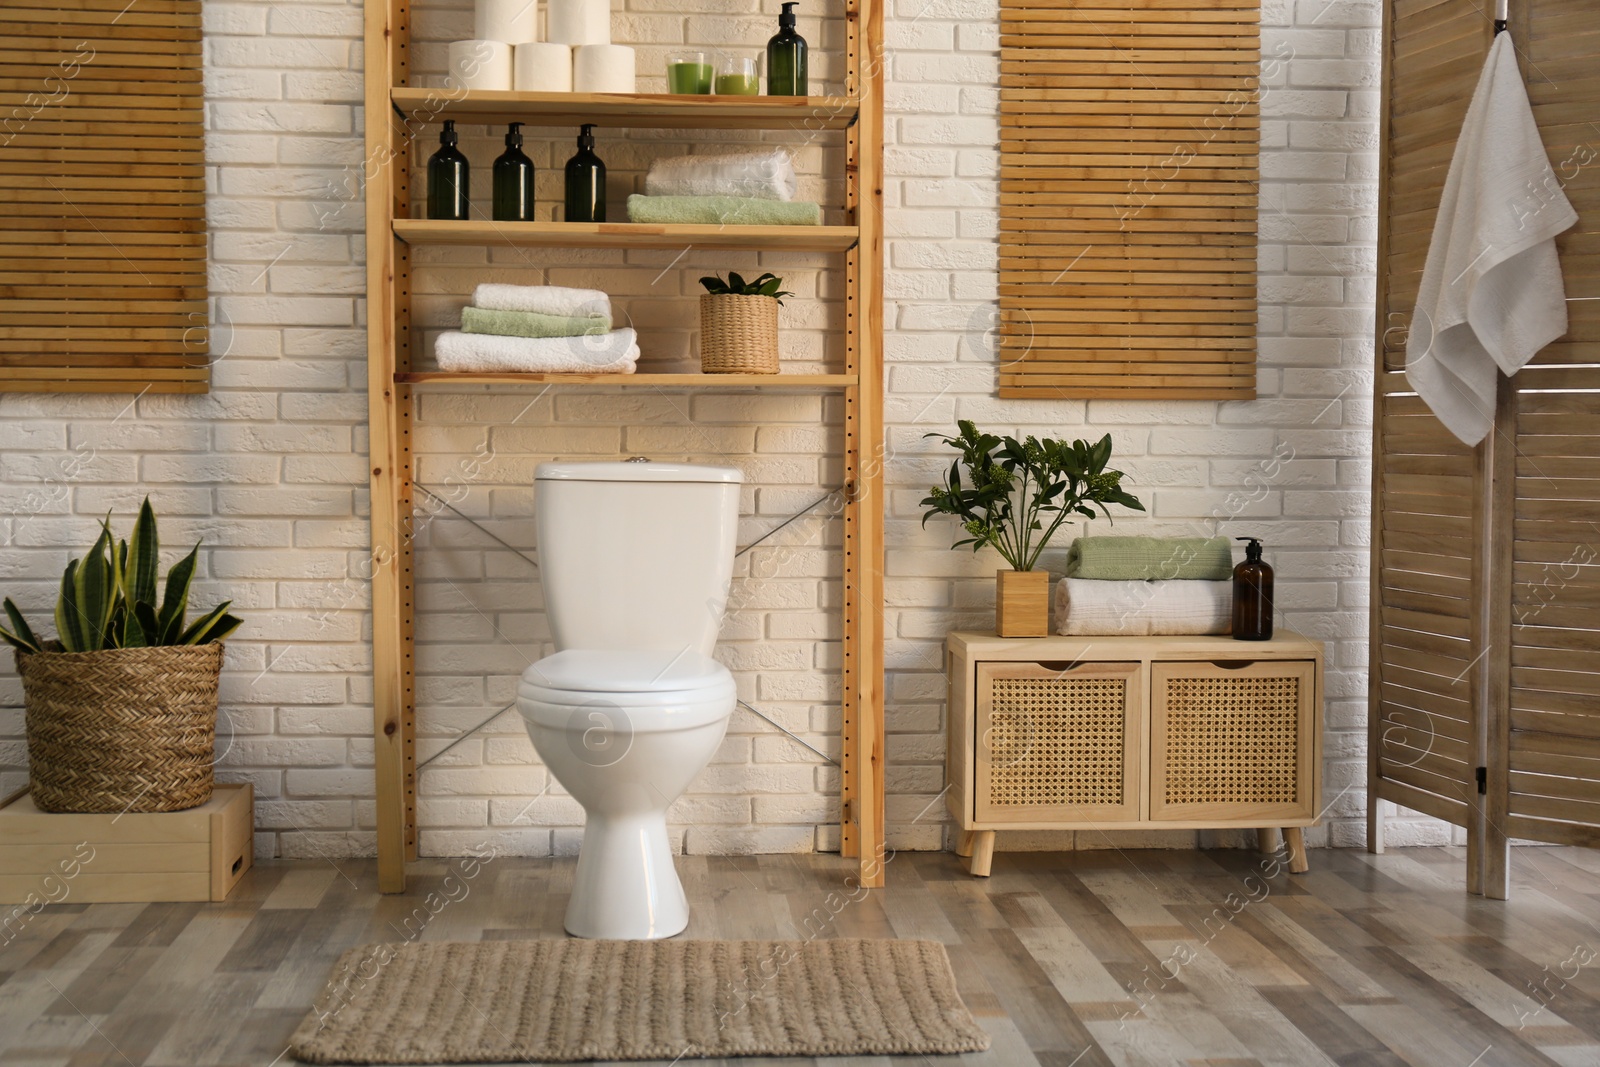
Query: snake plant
108	598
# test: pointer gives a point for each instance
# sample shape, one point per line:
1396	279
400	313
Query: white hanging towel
1491	293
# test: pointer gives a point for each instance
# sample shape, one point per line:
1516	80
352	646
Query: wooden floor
1068	959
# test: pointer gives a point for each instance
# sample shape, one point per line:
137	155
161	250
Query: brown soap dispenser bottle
1252	595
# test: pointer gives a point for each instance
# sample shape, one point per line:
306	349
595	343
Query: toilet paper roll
480	65
508	21
578	22
603	68
544	68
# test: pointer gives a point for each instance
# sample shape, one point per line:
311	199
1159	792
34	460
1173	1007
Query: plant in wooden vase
121	708
1015	496
739	324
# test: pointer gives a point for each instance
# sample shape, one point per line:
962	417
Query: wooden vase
1022	603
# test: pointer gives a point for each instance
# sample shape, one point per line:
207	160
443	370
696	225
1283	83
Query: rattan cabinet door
1057	743
1233	742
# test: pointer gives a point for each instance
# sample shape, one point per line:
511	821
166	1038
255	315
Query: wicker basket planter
127	729
738	334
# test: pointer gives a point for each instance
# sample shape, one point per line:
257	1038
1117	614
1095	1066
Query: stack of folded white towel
754	188
538	329
1146	585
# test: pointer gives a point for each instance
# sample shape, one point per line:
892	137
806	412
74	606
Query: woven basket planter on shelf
125	729
738	334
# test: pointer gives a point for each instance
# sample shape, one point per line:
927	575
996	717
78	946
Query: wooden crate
199	854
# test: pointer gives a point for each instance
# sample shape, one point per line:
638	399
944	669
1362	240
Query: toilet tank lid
634	670
635	471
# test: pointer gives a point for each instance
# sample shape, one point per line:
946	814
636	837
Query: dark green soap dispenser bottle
586	181
1252	595
448	178
513	180
786	57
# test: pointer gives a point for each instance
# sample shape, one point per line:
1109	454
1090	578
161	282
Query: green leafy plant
766	285
108	599
1020	492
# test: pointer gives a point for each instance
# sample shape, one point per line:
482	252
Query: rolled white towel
767	174
545	299
616	352
1163	606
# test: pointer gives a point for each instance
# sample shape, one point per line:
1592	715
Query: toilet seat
660	690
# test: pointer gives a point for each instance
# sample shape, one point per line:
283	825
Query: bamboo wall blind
102	197
1129	145
1486	561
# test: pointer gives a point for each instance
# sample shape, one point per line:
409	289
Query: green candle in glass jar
736	76
738	85
688	73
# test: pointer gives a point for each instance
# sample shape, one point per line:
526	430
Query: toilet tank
636	554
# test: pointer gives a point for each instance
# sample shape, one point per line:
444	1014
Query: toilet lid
599	670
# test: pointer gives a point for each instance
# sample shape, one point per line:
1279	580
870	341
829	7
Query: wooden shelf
392	118
697	381
663	111
627	235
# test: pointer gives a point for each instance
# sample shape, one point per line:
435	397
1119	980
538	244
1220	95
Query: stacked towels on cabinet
539	329
755	188
1146	585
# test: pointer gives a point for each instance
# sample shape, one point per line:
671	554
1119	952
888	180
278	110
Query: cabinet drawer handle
1233	664
1061	666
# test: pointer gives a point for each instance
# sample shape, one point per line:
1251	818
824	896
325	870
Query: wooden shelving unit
394	114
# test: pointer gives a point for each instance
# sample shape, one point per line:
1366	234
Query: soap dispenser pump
1252	595
586	181
513	180
448	178
786	57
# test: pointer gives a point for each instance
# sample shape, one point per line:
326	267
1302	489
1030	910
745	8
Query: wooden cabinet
1086	733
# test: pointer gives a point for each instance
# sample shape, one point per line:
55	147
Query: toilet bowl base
626	887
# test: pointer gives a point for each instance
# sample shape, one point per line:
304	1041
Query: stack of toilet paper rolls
578	54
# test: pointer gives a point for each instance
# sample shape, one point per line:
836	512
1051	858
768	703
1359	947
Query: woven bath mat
570	1000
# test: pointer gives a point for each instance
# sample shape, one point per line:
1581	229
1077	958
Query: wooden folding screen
1129	141
102	197
1485	693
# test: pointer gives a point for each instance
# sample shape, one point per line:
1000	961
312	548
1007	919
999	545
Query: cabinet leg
1296	842
982	853
1267	839
964	839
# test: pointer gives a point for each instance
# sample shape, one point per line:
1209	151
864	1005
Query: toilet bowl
635	559
625	733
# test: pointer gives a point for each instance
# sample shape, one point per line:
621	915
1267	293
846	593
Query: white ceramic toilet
635	559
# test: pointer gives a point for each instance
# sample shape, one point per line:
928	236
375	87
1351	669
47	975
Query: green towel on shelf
531	323
722	211
1137	559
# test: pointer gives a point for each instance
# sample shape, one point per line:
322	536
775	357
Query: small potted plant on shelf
121	709
739	324
1017	495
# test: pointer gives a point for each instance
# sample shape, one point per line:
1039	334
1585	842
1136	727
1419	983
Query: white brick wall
269	469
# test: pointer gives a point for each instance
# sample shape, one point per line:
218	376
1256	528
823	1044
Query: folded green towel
1140	559
531	323
722	211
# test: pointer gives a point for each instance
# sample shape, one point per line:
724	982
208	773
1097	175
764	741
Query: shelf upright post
385	176
862	809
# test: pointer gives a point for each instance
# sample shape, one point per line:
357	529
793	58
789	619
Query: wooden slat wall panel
1486	562
1548	760
102	197
1425	511
1129	142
